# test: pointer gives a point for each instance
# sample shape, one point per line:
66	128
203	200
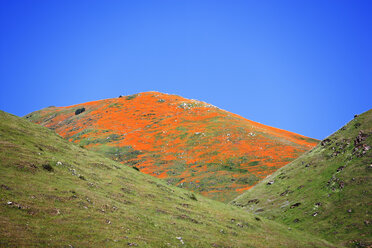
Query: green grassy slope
53	193
326	191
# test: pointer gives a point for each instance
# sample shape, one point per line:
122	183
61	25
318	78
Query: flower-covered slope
189	143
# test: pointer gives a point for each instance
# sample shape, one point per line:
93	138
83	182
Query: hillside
326	191
191	144
54	193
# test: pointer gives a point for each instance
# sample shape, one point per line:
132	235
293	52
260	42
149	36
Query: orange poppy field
188	143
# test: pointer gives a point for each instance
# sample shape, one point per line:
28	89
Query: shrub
48	167
79	111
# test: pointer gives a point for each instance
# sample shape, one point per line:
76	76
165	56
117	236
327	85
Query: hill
54	193
191	144
326	191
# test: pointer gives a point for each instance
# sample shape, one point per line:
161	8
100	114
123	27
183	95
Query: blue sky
303	66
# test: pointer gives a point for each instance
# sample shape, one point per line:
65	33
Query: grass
332	184
54	193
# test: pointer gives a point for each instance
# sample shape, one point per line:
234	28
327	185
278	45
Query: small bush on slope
91	201
327	191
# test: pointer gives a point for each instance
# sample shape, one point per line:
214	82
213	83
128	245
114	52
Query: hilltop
54	193
326	191
189	143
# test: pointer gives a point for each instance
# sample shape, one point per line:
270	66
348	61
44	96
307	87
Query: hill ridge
190	143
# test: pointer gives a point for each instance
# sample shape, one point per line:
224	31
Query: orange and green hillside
189	143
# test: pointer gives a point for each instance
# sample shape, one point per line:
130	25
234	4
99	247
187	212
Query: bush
79	111
48	167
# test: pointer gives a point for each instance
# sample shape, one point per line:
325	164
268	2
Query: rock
253	201
256	218
349	210
17	205
325	142
132	244
342	184
366	147
318	204
73	171
3	186
367	222
340	168
180	239
285	192
355	116
295	205
79	111
360	138
296	220
315	214
59	163
270	183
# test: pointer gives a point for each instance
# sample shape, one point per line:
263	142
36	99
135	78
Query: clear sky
303	66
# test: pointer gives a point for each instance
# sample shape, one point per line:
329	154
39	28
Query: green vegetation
119	153
117	105
254	163
326	191
54	193
130	97
104	140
